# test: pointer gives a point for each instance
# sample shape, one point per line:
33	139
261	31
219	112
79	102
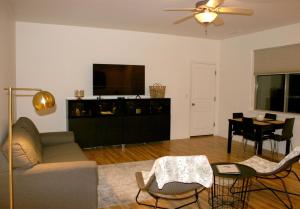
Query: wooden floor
213	147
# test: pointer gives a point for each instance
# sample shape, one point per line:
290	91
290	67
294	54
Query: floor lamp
41	100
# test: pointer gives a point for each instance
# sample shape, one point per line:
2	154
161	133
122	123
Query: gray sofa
50	171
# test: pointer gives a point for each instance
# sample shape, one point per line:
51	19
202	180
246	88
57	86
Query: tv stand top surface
112	97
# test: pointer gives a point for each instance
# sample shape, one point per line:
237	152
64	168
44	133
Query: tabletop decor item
79	93
228	168
157	90
260	117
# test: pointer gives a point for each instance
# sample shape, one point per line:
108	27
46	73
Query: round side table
229	189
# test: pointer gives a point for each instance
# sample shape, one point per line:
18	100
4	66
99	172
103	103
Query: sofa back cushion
32	130
23	146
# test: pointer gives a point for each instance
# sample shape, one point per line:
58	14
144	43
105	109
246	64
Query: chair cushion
63	153
260	165
23	147
264	166
29	126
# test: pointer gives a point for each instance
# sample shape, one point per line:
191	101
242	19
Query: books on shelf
228	168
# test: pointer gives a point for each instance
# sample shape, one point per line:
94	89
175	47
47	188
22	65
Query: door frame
215	93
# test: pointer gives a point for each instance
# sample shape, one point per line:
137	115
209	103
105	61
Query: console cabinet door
84	131
156	128
138	129
133	129
108	131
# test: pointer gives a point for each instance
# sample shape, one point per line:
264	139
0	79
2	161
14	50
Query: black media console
118	121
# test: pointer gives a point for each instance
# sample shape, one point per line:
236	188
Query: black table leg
287	146
229	137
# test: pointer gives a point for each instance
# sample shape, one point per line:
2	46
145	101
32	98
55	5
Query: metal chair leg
156	202
197	199
196	196
287	195
295	174
153	206
244	142
289	204
198	203
277	149
272	149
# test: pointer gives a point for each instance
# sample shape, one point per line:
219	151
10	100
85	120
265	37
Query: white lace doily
186	169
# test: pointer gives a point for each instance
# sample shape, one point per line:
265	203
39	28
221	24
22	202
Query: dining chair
237	129
286	135
271	132
267	172
270	116
249	132
237	115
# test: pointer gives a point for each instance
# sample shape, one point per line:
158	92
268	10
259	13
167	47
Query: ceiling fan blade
201	3
184	19
234	11
214	3
218	21
181	9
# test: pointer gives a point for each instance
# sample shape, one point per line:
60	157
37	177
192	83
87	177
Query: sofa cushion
63	153
23	147
29	126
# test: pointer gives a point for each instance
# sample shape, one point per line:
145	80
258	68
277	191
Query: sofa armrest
54	138
58	185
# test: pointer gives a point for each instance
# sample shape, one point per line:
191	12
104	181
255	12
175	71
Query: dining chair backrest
287	131
237	128
237	115
248	128
271	116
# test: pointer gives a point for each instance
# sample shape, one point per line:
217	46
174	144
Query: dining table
261	127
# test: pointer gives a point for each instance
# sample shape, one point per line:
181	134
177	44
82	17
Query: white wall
236	73
7	60
59	58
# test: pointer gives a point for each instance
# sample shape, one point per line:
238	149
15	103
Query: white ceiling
148	15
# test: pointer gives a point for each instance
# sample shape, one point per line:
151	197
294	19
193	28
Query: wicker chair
175	189
267	170
170	191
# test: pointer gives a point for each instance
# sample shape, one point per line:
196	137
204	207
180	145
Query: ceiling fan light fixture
206	17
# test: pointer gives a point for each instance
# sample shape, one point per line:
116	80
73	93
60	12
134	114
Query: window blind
283	59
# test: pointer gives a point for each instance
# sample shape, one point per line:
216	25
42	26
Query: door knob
193	104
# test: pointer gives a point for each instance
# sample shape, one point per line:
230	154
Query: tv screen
110	79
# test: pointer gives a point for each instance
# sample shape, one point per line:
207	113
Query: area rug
117	184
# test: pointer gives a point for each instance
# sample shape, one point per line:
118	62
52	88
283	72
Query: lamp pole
10	160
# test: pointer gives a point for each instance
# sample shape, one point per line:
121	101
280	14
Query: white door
203	87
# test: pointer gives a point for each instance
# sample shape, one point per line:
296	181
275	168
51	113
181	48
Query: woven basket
157	90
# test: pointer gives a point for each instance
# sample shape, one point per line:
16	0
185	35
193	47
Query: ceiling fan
207	11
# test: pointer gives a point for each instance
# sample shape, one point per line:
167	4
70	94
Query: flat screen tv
111	79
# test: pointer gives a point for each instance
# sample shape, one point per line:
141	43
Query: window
294	93
278	92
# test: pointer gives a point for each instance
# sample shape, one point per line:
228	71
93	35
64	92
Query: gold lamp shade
43	100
